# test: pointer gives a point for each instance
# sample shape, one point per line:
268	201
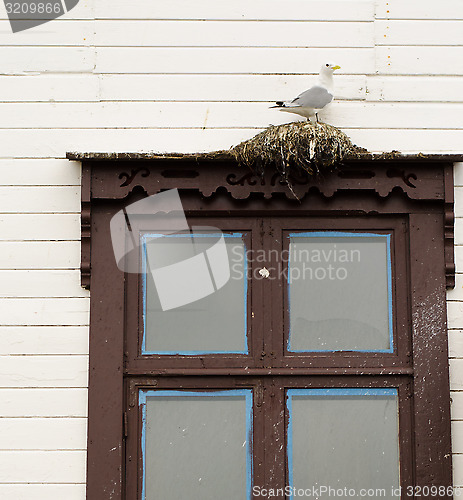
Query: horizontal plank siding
311	10
16	172
40	255
419	33
75	33
43	371
212	115
222	88
45	227
55	143
456	374
458	474
21	60
414	88
42	466
36	87
457	405
455	343
43	402
458	175
224	60
42	491
233	34
43	434
412	60
418	9
31	199
41	283
30	340
456	294
45	311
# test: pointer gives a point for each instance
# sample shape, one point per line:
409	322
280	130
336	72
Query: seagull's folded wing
316	97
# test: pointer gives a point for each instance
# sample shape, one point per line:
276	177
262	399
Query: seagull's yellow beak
336	67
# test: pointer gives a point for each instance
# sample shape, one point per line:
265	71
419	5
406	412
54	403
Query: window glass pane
195	292
197	445
343	438
339	288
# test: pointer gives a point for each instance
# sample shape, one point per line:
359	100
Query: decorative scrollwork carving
396	172
250	178
130	177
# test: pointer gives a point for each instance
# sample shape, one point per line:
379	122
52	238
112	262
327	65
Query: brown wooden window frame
409	197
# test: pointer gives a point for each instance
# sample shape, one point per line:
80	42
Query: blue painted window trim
247	393
144	238
347	392
327	234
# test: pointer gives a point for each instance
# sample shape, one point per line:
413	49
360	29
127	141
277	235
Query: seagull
317	97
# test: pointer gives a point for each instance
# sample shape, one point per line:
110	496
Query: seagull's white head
329	68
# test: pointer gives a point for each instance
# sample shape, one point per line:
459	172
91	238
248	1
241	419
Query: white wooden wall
177	75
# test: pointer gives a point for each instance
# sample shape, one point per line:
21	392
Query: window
320	363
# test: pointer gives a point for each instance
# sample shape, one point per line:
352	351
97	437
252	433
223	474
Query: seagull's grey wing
316	97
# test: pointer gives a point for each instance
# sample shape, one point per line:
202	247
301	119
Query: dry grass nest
308	148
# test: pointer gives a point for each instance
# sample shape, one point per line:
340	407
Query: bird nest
309	148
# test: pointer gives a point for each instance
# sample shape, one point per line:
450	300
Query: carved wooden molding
86	226
449	234
416	179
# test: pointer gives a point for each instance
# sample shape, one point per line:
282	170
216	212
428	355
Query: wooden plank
20	60
177	33
43	371
49	402
459	231
43	434
457	405
458	192
202	115
415	88
43	340
59	32
316	10
423	32
456	374
408	141
47	199
457	437
42	491
45	311
44	227
457	461
42	466
40	255
41	283
106	366
458	173
457	292
47	88
459	258
455	315
419	60
455	343
39	173
225	60
256	88
54	143
417	9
